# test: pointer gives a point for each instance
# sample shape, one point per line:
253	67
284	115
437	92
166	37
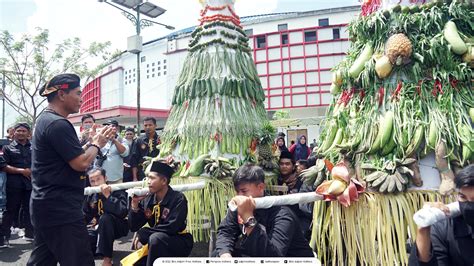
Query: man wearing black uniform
165	210
289	176
145	147
58	165
247	232
105	215
17	164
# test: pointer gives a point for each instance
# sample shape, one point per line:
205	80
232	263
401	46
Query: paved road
20	251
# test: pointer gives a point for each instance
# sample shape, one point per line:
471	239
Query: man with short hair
17	164
250	232
113	153
58	165
105	215
146	147
87	121
450	241
289	176
165	210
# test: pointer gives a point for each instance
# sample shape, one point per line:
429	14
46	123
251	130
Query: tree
29	61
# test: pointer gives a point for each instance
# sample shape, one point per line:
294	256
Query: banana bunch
314	175
219	167
392	178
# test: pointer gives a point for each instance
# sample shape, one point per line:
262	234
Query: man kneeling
247	232
105	215
165	211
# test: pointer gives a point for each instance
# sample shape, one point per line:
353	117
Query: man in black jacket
105	215
17	164
165	210
451	241
247	232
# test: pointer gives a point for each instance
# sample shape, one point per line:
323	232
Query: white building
293	53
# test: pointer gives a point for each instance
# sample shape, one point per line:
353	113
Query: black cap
111	122
131	129
60	82
162	169
22	124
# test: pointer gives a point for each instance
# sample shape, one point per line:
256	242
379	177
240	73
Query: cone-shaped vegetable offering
217	105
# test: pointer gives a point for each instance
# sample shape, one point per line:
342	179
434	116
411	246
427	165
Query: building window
310	36
249	32
134	70
323	22
336	33
153	75
125	71
284	39
125	83
143	59
153	70
147	76
159	62
133	74
147	65
164	67
282	27
129	76
261	42
164	61
159	68
147	71
153	64
134	81
159	74
164	73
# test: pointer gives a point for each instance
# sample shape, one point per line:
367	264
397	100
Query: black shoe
4	243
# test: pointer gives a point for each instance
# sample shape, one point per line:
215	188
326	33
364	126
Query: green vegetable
452	36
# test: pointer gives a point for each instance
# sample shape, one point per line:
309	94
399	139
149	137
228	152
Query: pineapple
265	152
398	49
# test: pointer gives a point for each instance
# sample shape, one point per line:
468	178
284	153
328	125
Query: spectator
289	177
87	121
58	166
146	147
280	141
17	164
300	166
10	133
113	153
300	150
165	210
132	143
105	215
250	232
313	145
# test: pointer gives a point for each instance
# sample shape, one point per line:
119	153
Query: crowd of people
48	170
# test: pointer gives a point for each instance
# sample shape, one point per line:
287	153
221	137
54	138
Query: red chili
437	88
453	82
418	87
381	95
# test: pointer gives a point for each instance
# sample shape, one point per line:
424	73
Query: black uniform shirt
19	156
172	213
97	204
143	149
277	234
58	190
452	242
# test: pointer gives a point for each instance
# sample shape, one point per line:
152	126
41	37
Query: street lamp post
145	8
3	105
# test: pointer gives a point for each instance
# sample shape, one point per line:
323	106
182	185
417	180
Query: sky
91	20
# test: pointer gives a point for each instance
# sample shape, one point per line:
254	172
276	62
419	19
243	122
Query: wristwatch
251	222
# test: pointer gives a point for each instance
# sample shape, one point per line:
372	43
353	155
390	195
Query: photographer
112	155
